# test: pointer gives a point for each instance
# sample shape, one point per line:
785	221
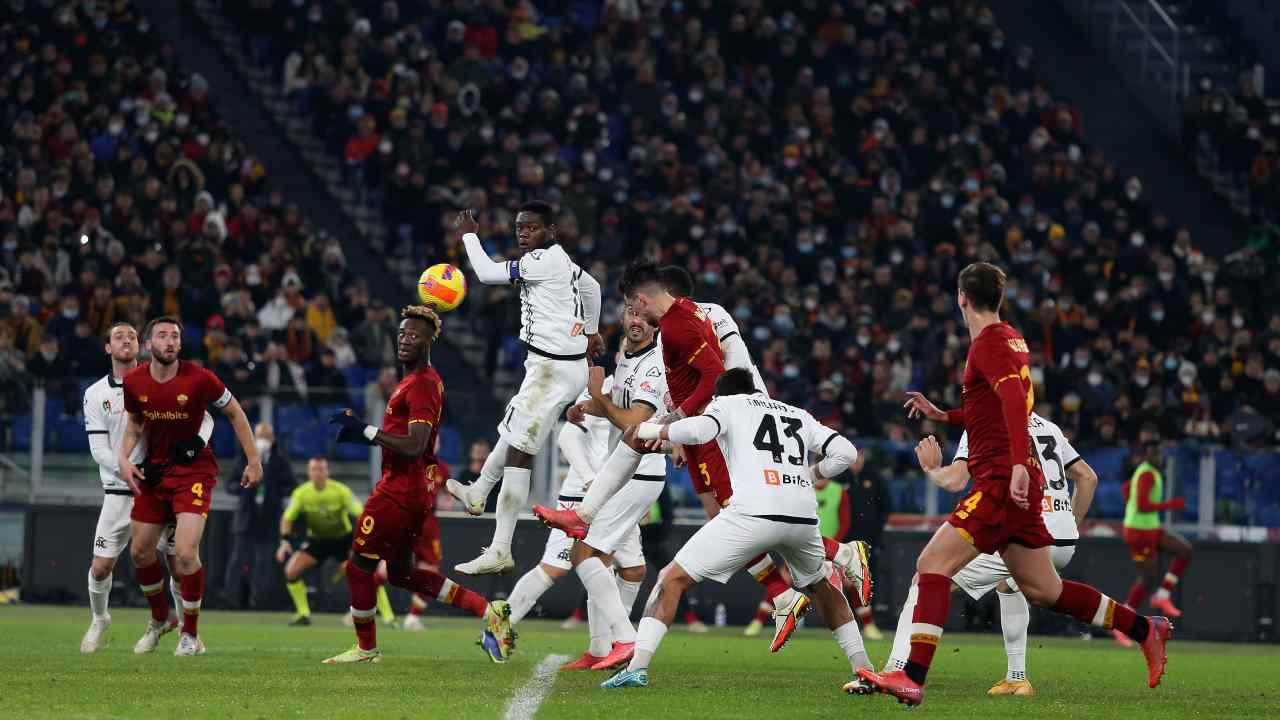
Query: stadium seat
350	452
68	435
20	432
450	445
290	416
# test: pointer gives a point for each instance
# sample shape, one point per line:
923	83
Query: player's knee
140	556
188	558
101	568
674	577
1037	594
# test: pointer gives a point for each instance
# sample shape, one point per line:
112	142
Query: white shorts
723	546
549	386
114	531
558	547
616	528
986	571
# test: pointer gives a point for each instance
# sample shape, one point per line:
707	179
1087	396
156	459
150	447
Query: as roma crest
182	399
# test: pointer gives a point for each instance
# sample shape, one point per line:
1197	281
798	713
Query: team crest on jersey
106	406
182	399
653	372
142	398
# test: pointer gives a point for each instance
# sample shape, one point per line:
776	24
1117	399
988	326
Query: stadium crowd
824	169
124	196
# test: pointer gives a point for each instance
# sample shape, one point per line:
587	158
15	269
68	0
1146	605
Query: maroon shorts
189	493
1142	543
426	548
386	529
708	471
990	521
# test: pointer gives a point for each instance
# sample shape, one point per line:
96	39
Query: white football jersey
104	415
1056	455
597	431
641	378
551	315
736	354
766	445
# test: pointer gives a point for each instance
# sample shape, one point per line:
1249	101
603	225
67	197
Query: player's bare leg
150	577
1033	570
512	499
1180	547
659	613
943	557
1015	617
297	566
191	579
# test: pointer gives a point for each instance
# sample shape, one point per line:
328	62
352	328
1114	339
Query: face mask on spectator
1206	317
697	231
971	186
791	372
115	128
263	444
711	277
893	346
1253	133
742	312
1157	315
181	120
1237	321
152	136
1170	363
1026	303
1082	361
1095	379
1142	379
863	339
948	200
896	257
1074	154
761	333
1138	239
848	252
1207	277
1165	277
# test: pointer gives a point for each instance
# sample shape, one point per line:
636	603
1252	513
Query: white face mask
263	445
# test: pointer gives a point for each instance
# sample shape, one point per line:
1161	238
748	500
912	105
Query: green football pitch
257	667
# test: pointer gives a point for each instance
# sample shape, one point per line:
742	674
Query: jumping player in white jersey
559	318
766	445
679	283
1062	511
104	421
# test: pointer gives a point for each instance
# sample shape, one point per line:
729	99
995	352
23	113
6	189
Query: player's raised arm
487	270
837	452
951	478
589	294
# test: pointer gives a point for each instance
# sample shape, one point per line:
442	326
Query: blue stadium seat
450	445
307	439
20	432
69	435
355	376
350	452
223	439
294	415
1108	502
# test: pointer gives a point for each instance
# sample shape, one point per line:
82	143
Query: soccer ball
442	287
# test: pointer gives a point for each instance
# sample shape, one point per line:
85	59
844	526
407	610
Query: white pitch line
524	704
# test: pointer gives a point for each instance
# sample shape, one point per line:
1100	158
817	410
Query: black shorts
333	548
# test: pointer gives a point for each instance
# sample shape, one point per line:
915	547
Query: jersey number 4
767	439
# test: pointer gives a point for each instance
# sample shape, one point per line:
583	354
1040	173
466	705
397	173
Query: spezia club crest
106	406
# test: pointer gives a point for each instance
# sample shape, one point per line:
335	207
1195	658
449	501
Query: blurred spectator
250	575
326	384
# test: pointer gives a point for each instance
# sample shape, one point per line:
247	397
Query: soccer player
679	283
1002	514
104	421
693	360
427	552
1062	511
559	318
1144	495
166	399
395	511
766	444
327	506
584	444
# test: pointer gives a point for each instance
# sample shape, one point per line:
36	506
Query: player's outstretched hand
929	453
252	475
1019	485
595	346
917	405
466	222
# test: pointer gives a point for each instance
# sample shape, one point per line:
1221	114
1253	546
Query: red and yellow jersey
172	411
412	481
692	355
997	400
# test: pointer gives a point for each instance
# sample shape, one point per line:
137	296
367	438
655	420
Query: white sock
175	590
99	594
648	639
528	589
628	591
490	472
850	641
601	634
616	471
511	500
1015	616
902	636
1162	593
603	591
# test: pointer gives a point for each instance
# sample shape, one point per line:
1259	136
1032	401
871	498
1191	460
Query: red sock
578	614
433	584
765	612
767	574
690	617
364	599
1086	604
1137	595
930	615
418	605
1176	568
151	580
831	547
192	590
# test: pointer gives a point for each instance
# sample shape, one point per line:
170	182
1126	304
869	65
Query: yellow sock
384	606
298	591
